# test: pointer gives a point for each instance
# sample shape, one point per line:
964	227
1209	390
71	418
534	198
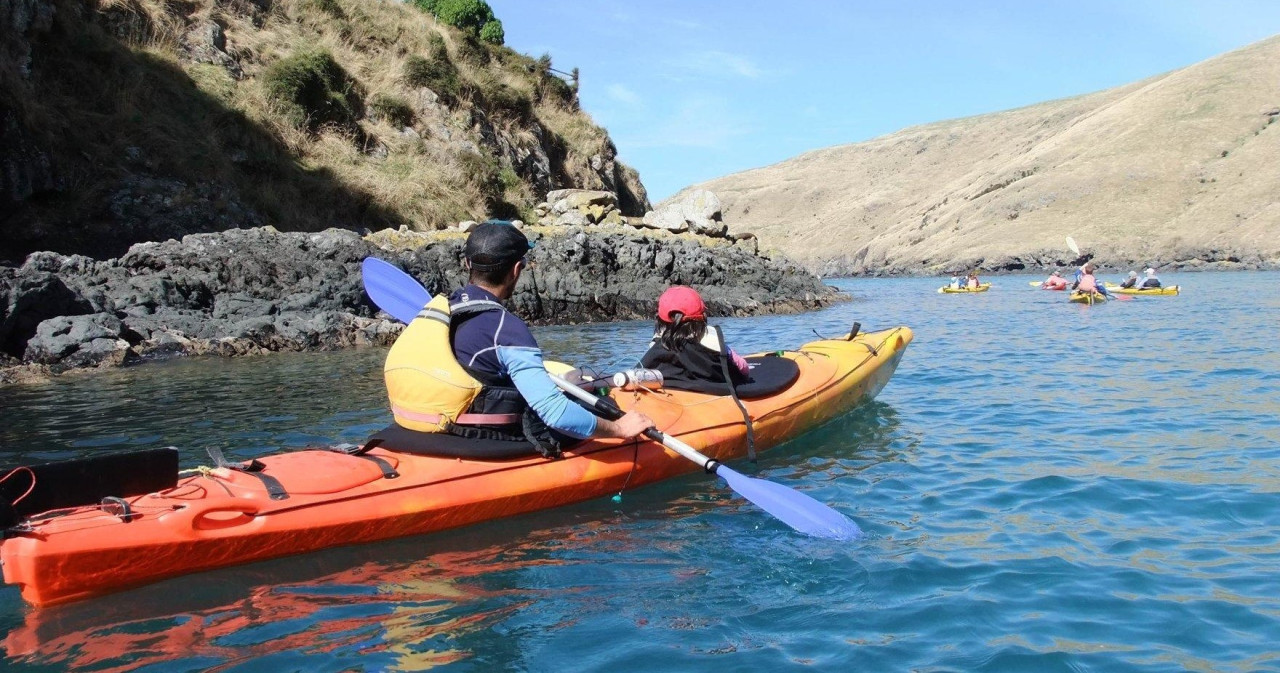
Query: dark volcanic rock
248	291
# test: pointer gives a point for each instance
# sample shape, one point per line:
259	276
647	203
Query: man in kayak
1150	279
497	348
1055	281
1131	281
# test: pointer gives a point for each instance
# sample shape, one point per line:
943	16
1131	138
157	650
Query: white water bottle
632	379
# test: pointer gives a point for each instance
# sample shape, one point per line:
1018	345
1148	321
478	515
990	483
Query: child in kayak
1131	281
1055	281
955	283
679	349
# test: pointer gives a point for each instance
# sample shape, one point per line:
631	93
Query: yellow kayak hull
1153	291
1086	298
964	290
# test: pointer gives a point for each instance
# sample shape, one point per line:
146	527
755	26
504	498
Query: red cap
681	299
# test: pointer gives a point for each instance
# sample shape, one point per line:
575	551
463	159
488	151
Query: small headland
259	290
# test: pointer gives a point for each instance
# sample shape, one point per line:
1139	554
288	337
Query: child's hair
674	335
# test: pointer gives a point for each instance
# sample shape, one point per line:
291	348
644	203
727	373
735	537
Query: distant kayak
1150	291
947	289
1040	284
1086	298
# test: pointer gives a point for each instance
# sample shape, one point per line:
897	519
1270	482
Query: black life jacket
499	396
689	366
701	367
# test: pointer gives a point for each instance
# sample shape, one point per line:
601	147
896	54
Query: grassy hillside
1179	169
132	120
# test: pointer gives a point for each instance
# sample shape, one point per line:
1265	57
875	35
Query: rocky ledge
248	291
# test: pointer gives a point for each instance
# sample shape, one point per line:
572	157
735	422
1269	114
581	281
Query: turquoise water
1045	487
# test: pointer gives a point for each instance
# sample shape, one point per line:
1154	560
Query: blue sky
695	90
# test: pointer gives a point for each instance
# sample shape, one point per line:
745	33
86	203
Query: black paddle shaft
604	407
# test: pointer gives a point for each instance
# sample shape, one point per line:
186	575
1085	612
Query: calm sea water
1045	487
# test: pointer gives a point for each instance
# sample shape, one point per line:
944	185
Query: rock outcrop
249	291
697	212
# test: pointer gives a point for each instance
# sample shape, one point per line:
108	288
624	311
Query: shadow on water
245	406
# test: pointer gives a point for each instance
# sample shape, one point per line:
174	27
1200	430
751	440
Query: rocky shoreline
251	291
1047	261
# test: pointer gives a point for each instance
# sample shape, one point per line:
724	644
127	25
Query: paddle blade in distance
393	290
1071	243
792	507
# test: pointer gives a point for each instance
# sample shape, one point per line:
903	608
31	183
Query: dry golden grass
198	123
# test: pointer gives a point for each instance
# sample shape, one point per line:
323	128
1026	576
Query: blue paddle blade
792	507
393	290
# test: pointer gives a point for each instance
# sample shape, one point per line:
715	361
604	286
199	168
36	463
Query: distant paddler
1087	282
1055	281
1149	280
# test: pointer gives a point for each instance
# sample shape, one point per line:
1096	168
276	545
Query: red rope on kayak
30	488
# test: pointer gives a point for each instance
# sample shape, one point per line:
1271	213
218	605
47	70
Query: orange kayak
221	516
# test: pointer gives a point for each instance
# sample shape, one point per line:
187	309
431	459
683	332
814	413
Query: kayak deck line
221	517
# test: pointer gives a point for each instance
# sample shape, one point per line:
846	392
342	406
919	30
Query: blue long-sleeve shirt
500	344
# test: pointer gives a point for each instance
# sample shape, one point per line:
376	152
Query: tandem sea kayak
308	500
1150	292
947	289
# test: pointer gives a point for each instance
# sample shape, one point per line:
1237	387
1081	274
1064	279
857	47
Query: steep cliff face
132	120
1179	170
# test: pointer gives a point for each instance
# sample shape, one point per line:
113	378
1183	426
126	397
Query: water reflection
407	605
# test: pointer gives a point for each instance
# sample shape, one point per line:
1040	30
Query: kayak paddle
393	290
400	295
788	505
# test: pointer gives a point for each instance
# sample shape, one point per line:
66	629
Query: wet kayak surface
1044	486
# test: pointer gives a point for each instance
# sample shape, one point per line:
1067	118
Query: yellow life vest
427	387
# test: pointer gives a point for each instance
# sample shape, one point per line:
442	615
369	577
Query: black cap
492	245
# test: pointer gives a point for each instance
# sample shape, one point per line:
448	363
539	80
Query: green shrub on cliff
493	33
391	108
474	16
438	75
505	100
313	90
